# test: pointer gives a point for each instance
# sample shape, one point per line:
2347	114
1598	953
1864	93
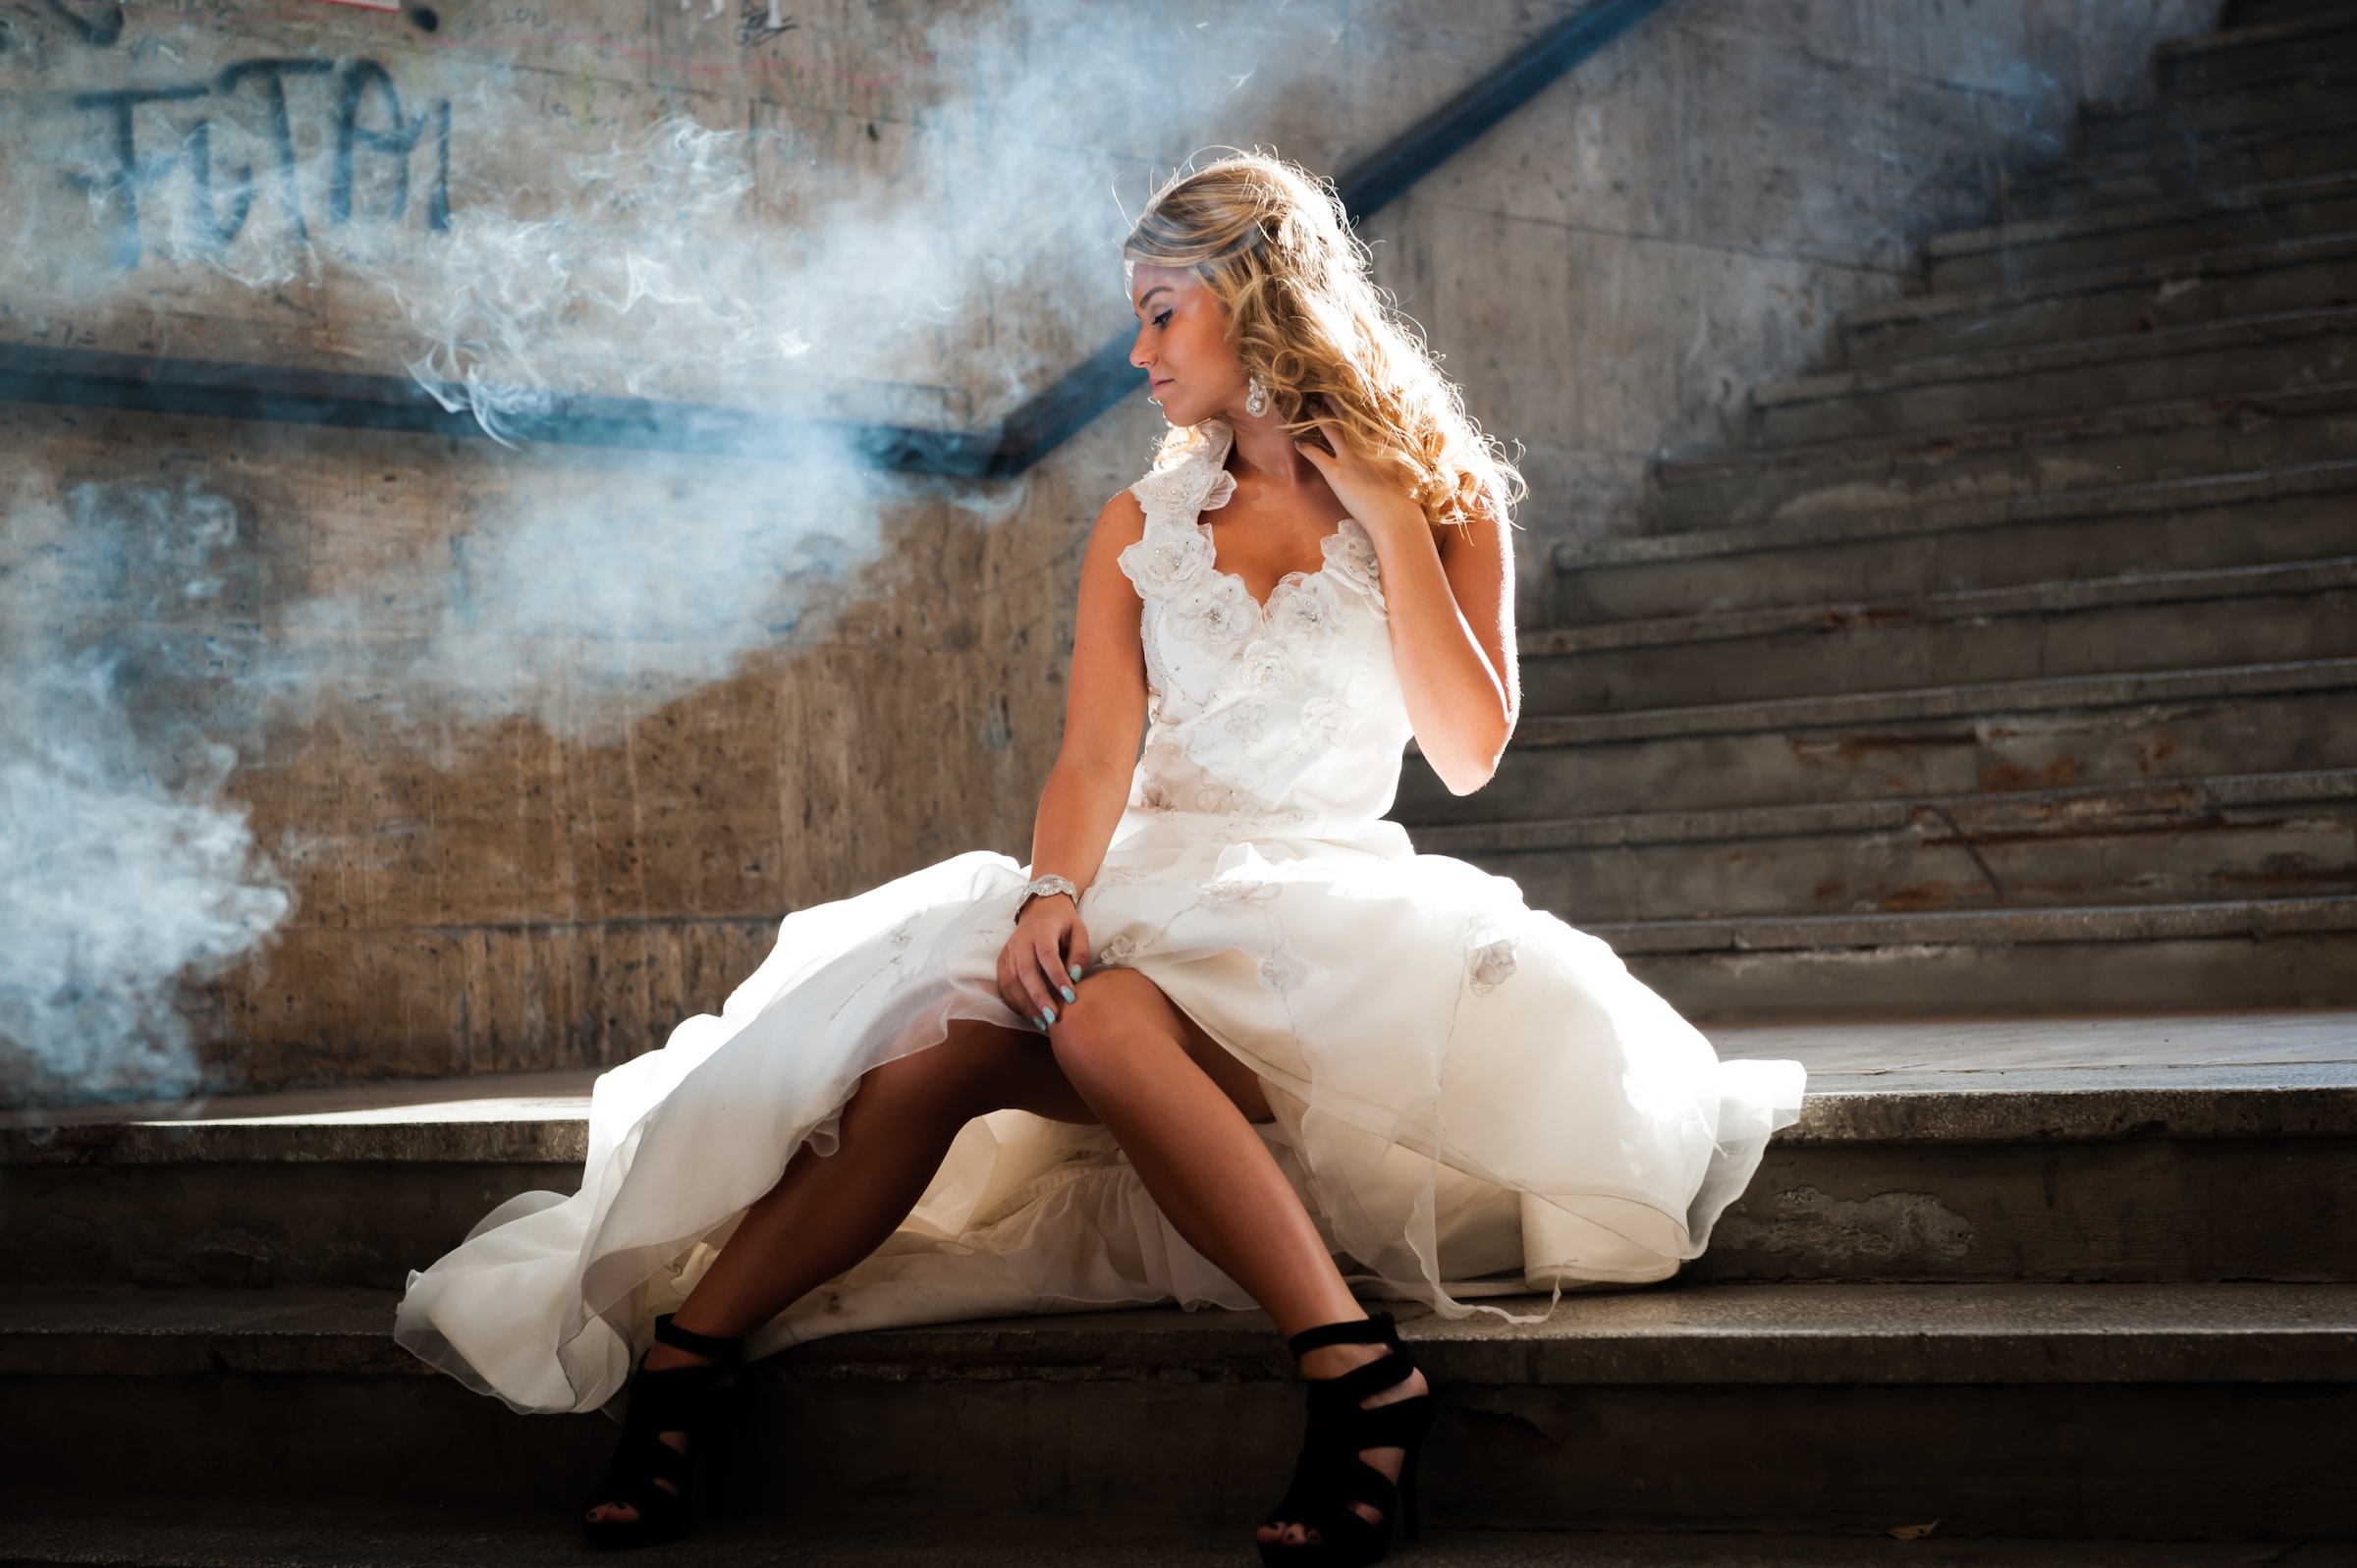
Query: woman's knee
1113	1029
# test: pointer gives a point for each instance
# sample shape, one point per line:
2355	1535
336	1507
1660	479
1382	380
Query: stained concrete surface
1726	1335
1686	215
1947	1050
2222	1049
316	1535
1979	1152
561	1096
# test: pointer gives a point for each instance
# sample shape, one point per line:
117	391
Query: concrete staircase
2093	1280
2010	665
2010	668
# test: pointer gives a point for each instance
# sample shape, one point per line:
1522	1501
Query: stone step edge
2223	40
561	1143
1939	820
2253	918
139	1531
1839	457
2248	200
2331	72
2268	256
1695	1334
1973	604
2044	1107
2072	353
2093	171
1975	700
2292	481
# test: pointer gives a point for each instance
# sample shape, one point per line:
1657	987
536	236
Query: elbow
1477	765
1465	755
1465	779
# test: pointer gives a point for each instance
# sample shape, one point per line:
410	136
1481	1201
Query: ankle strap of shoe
1376	1329
696	1345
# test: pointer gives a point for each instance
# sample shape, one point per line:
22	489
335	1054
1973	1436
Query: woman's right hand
1043	958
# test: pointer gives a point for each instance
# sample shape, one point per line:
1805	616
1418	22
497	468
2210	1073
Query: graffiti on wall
373	142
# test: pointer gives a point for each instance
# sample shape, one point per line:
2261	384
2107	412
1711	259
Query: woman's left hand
1372	496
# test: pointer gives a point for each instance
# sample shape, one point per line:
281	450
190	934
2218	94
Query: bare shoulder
1121	520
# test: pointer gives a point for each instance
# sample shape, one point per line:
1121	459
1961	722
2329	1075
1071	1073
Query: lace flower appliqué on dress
1303	612
1219	614
1168	562
1324	721
1190	485
1493	964
1350	557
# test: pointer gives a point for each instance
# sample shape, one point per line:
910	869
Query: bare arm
1105	708
1452	607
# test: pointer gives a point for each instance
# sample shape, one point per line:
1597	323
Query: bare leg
826	1213
1182	1108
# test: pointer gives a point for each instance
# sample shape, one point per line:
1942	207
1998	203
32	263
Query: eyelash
1163	319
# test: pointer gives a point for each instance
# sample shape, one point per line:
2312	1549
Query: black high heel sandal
671	1400
1329	1475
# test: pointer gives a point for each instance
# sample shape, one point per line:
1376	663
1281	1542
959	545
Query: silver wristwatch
1042	887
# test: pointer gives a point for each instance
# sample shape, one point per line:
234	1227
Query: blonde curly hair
1272	242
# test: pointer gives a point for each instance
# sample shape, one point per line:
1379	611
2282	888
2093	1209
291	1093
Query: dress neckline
1217	459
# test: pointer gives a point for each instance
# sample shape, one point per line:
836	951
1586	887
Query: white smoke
933	271
125	873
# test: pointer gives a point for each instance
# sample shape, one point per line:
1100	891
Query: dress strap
1197	480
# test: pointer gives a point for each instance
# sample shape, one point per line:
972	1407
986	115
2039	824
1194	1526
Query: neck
1264	449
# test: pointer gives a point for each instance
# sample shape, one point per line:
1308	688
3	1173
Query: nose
1138	354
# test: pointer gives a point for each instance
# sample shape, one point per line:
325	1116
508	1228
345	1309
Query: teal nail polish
1051	1012
1076	976
1069	996
1041	1027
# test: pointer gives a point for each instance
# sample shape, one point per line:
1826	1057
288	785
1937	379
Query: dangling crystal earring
1256	398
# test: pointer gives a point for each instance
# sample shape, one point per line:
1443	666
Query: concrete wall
482	841
1613	271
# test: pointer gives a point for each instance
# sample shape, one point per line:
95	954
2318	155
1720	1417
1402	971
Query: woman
1228	1026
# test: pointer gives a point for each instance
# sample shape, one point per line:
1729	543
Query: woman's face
1183	345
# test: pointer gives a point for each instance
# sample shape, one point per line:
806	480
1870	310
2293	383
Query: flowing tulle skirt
1472	1099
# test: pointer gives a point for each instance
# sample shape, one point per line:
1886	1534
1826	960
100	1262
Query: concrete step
280	1196
2113	1410
1883	1101
2196	840
327	1535
2260	278
2170	439
2258	106
1994	739
280	1533
2259	12
2023	251
2246	355
2236	616
2299	952
298	1535
2179	167
2258	50
1899	550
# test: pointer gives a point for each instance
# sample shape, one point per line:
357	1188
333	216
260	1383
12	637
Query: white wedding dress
1473	1099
